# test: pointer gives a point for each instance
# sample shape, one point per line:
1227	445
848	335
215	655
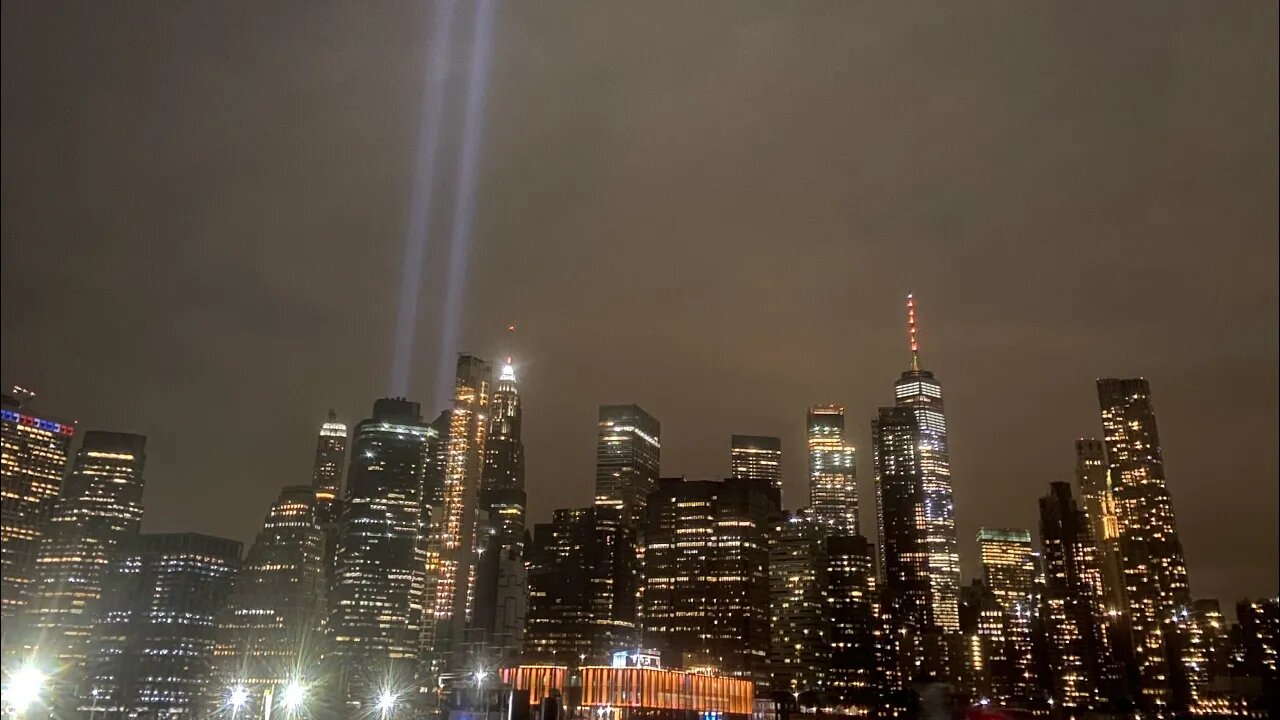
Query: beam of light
464	201
424	180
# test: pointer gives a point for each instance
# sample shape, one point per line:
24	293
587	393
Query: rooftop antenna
911	331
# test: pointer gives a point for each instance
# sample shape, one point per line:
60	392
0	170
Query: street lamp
237	698
293	695
386	702
25	686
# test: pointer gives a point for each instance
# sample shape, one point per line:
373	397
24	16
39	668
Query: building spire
911	331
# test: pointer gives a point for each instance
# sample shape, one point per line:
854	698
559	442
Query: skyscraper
1009	570
915	463
799	625
1093	480
331	458
501	592
453	546
706	584
1073	605
757	457
628	457
99	509
271	627
986	644
33	456
833	480
1154	569
853	681
151	651
582	587
375	614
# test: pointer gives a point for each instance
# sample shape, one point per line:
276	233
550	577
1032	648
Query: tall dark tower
99	509
35	452
1073	605
851	598
376	612
501	595
1154	568
628	458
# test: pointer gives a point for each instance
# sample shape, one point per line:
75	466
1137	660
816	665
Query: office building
833	479
152	648
1073	607
453	542
986	660
375	613
799	625
853	681
628	458
330	461
1093	482
919	558
756	457
98	510
1009	569
33	457
271	628
582	588
706	584
501	592
1155	572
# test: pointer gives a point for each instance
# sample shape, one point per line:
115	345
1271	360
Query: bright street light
238	697
24	688
294	694
386	701
479	675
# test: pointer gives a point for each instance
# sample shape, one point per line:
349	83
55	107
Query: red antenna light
911	332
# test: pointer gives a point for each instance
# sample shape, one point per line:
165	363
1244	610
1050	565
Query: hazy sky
710	209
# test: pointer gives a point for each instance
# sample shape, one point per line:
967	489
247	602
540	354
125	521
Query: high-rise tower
331	458
1009	570
1093	480
914	499
501	581
376	611
833	480
453	546
1080	660
853	617
270	629
1154	569
628	457
34	454
758	457
800	641
99	509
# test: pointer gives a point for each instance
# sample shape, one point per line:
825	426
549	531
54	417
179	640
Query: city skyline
226	342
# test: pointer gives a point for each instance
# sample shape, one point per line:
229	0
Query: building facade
1009	571
151	651
800	644
272	626
33	457
853	679
757	457
582	588
628	459
706	583
375	614
1074	605
833	479
97	512
1155	571
501	582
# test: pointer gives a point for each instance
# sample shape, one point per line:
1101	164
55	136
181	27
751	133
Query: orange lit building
633	692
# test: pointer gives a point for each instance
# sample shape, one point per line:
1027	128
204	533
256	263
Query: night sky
712	210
